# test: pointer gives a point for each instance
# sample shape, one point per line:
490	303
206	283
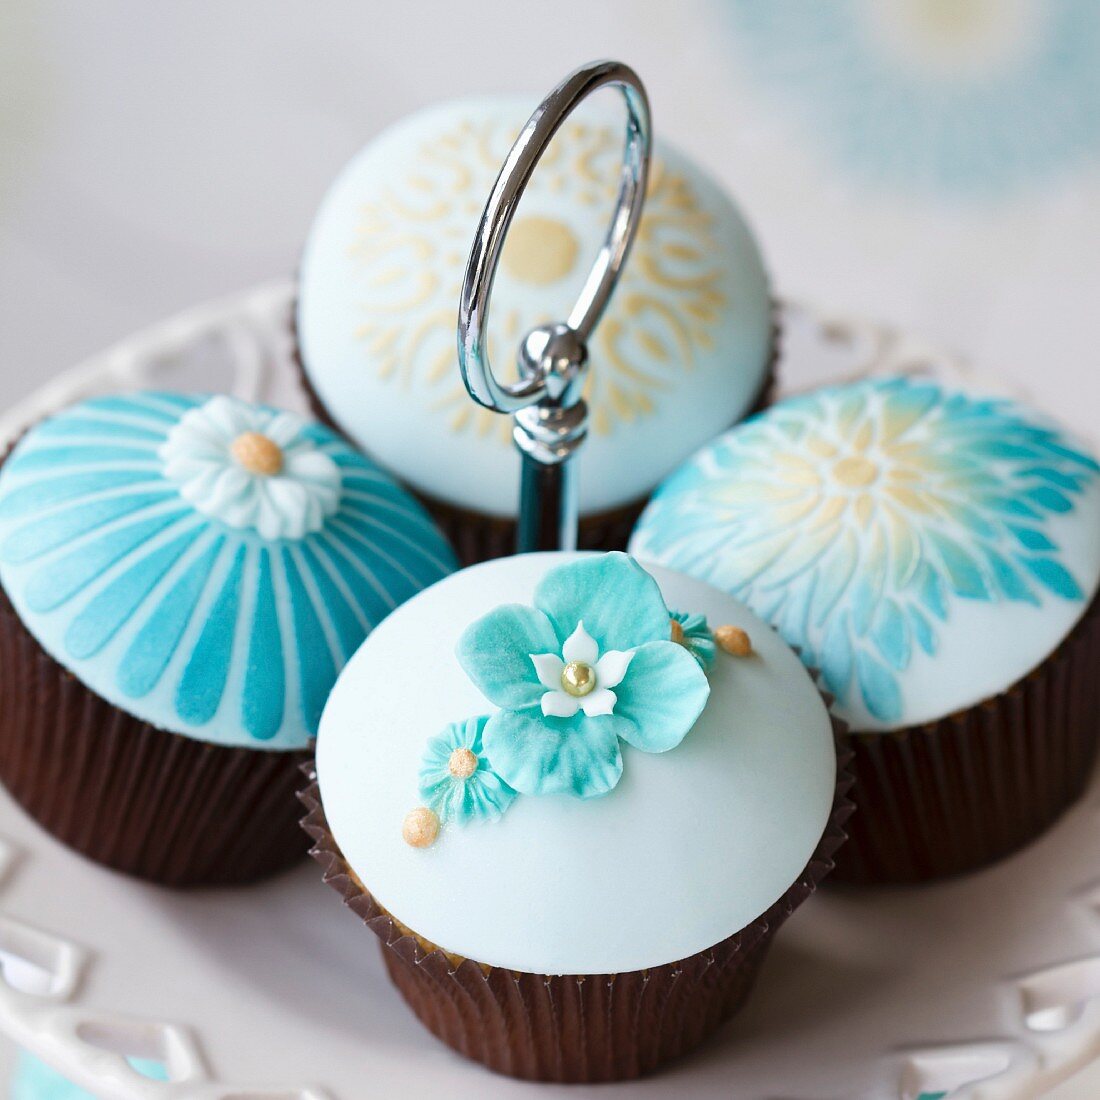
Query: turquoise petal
890	633
50	458
922	631
1055	576
1055	477
879	688
1032	539
264	682
930	590
1049	498
40	495
495	653
75	425
203	681
618	601
575	756
837	657
661	696
1008	579
49	532
148	654
963	573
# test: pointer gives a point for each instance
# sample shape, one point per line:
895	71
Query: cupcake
182	579
936	555
685	349
574	836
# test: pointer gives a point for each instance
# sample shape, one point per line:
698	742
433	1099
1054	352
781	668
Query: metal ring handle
540	382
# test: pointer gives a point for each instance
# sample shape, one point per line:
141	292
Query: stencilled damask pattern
412	243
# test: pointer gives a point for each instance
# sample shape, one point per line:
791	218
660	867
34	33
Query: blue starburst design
945	96
197	625
852	519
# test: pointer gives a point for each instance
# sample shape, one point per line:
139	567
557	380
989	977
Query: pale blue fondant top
682	351
924	548
686	838
205	564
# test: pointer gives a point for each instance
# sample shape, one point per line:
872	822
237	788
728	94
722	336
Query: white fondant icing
680	354
691	846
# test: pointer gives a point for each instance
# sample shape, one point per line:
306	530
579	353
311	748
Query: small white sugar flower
580	679
252	467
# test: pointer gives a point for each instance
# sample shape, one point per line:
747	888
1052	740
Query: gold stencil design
411	245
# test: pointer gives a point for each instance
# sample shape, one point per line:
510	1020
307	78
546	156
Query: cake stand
984	987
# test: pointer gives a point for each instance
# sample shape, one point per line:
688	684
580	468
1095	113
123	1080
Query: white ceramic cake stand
984	987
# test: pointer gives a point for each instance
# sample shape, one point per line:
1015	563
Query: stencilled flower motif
195	625
413	236
457	780
589	665
252	468
970	97
693	632
853	518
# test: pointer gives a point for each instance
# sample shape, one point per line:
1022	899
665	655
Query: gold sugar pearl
676	632
257	453
420	827
462	764
733	640
578	679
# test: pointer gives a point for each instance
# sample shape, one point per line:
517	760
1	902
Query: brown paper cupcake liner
962	792
477	536
572	1028
140	799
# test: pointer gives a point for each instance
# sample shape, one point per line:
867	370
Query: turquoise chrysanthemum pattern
971	97
201	625
855	520
457	780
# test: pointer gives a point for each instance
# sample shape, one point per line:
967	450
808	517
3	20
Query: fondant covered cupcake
183	578
684	350
574	835
937	556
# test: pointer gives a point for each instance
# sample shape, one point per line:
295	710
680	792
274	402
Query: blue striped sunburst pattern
196	626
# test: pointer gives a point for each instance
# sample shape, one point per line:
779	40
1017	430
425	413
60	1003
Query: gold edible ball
462	764
734	641
257	453
676	632
578	678
420	827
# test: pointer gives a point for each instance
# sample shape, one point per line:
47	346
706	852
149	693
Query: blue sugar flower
456	778
590	663
695	636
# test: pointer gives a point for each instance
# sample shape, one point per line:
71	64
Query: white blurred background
934	164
